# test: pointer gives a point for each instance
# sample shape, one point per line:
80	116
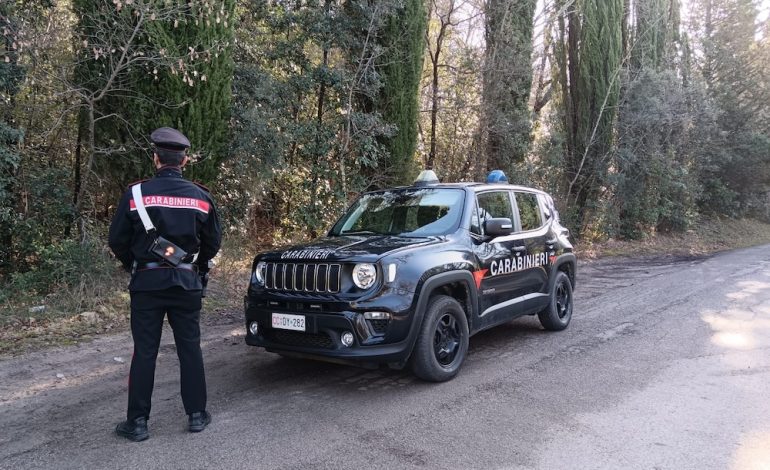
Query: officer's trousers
147	312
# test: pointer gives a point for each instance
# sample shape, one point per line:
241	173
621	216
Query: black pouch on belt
167	250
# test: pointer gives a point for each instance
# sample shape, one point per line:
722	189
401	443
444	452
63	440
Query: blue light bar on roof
497	176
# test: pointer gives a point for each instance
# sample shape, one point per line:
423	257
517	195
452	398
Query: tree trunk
324	68
80	196
435	57
434	105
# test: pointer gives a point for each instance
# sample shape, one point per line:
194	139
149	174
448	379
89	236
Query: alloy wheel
446	339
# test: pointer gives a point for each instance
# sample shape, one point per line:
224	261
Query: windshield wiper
359	232
420	235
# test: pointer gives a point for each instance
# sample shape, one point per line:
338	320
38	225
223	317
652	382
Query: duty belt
161	265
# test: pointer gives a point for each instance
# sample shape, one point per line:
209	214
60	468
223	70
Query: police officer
183	213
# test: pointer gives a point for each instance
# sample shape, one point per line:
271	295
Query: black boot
199	420
134	430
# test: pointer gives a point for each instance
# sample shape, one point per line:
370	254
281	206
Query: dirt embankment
707	237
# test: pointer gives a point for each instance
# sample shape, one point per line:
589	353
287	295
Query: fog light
254	328
347	339
377	315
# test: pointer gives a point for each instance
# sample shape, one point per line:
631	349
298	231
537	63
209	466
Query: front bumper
388	342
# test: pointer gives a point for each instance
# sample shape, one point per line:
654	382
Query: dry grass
709	236
34	332
69	314
97	306
229	280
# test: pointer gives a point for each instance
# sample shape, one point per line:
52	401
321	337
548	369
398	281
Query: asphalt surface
665	365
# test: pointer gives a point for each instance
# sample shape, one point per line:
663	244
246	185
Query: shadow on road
256	372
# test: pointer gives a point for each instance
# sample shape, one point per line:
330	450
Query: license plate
285	321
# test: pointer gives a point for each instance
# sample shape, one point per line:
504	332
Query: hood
349	248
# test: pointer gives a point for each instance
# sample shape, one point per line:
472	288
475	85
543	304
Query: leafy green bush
654	185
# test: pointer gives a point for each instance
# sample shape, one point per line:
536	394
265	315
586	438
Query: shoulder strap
138	182
136	192
201	186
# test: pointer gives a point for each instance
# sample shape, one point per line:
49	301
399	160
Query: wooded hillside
639	116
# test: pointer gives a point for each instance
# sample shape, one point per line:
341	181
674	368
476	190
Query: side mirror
498	227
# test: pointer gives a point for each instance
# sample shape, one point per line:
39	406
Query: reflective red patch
174	202
478	276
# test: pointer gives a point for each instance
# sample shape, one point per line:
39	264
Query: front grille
296	338
303	277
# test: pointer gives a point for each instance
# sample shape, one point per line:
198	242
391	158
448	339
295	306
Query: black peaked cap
171	139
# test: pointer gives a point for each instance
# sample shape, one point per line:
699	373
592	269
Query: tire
442	343
557	315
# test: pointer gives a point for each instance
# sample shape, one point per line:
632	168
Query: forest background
638	116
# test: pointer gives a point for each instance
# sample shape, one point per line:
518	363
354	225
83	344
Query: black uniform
183	213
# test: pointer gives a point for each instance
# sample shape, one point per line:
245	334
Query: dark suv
407	275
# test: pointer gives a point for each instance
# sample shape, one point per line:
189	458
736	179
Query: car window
493	204
529	211
407	212
475	222
548	207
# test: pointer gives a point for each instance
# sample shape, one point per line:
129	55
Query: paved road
665	365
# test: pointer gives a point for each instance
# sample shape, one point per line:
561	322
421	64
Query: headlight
259	273
364	275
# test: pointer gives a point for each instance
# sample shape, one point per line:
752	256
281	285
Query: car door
532	234
499	283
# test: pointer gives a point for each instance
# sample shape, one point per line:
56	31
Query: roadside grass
76	293
706	237
90	298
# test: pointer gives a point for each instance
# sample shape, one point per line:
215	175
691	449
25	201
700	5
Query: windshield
406	212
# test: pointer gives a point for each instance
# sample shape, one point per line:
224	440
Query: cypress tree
507	81
734	176
595	51
403	42
195	97
729	46
648	45
656	29
649	166
11	75
184	82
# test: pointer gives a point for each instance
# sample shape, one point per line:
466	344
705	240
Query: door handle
551	241
519	249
